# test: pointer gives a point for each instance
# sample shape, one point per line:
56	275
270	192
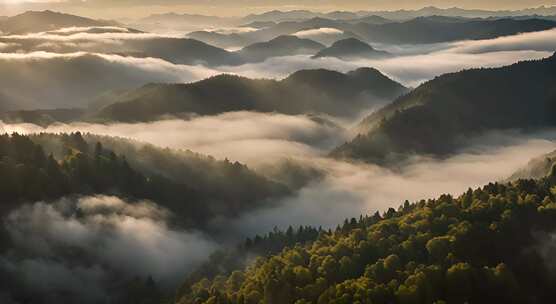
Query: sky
131	8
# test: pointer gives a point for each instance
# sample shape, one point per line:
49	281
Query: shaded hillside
61	82
431	251
437	117
195	187
307	91
279	46
351	49
181	51
34	21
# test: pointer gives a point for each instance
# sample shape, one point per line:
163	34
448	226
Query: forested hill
195	188
351	48
437	117
306	91
490	245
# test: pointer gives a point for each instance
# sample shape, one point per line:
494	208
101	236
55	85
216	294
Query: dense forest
440	115
490	245
195	188
304	92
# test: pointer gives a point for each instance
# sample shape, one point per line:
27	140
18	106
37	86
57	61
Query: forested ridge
489	245
439	116
75	167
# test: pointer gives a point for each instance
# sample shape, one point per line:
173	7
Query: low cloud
325	35
543	41
84	34
351	189
348	189
249	137
49	80
79	246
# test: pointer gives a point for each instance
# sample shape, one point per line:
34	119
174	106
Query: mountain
441	29
279	46
459	12
431	251
179	23
421	30
68	82
438	116
260	24
351	48
181	51
232	40
372	19
264	34
304	92
34	21
173	18
279	16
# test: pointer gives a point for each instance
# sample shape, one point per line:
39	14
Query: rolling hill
440	115
279	46
351	48
304	92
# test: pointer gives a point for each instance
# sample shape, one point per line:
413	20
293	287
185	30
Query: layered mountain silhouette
306	91
35	21
430	29
440	115
351	48
441	29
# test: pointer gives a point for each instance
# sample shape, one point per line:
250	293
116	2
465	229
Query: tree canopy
488	245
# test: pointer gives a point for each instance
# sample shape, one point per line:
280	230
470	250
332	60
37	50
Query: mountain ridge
438	116
314	91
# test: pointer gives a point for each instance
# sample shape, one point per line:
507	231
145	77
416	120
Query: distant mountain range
377	17
420	30
442	114
399	15
304	92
